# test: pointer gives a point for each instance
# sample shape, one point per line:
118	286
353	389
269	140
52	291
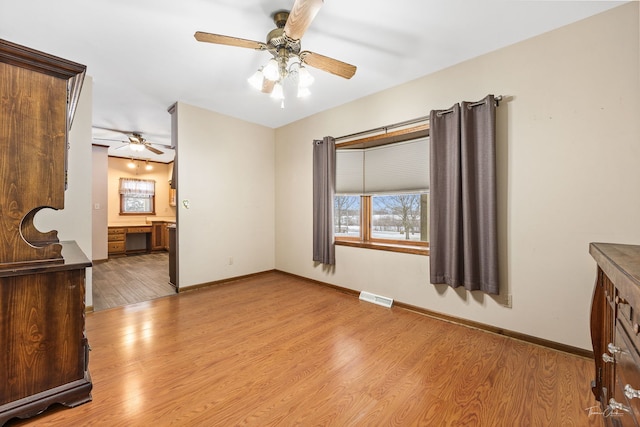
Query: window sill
385	247
137	213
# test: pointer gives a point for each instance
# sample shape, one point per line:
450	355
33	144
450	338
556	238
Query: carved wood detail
39	94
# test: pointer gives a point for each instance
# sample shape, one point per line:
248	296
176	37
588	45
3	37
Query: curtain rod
386	128
497	99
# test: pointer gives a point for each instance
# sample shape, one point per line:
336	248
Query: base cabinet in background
116	240
160	236
154	237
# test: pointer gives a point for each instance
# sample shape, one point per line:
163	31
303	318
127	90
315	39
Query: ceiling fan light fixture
271	71
278	91
136	147
256	80
305	79
284	44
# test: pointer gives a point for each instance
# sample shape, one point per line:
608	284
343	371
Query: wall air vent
376	299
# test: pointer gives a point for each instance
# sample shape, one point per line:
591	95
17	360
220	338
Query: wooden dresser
615	332
43	348
45	352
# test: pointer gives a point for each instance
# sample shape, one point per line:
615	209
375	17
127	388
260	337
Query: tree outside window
347	216
391	218
395	216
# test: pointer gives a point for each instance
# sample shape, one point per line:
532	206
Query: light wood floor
278	350
131	279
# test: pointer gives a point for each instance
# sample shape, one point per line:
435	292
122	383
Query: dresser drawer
615	332
139	229
627	372
116	247
115	230
115	237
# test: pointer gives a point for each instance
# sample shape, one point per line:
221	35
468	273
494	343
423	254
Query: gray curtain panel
445	243
464	243
324	185
479	206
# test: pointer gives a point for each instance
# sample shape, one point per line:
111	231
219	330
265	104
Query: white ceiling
142	55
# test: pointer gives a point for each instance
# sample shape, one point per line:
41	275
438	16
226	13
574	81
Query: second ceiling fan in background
136	141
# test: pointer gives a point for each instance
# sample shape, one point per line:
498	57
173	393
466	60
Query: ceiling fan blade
300	17
229	41
109	139
110	129
267	85
135	139
330	65
153	149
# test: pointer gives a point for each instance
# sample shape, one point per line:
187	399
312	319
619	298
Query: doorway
133	269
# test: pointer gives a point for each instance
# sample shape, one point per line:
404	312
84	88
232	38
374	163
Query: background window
133	204
137	196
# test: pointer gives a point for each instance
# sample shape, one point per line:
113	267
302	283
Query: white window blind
350	171
391	168
137	187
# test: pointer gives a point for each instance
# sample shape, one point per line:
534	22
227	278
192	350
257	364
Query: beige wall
161	174
226	172
74	221
568	151
99	202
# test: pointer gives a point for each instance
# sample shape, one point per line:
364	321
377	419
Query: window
346	216
382	193
397	222
137	196
399	217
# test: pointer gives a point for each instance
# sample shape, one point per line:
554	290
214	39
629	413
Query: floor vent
376	299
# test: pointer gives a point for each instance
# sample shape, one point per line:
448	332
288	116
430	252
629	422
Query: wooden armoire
43	348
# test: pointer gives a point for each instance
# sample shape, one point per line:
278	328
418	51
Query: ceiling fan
136	141
283	43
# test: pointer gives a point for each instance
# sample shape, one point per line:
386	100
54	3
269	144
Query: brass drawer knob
631	392
616	406
613	349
